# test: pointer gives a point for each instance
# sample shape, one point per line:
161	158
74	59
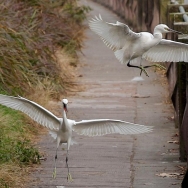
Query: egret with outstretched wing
128	45
61	128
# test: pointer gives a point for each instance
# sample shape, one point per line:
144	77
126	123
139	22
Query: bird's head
162	28
65	102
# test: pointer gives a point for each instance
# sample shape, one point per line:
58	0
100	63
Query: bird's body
128	45
63	134
133	50
61	128
65	131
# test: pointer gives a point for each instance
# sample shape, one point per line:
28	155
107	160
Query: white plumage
61	128
128	45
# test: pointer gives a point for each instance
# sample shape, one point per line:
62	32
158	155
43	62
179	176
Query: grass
16	150
30	33
15	145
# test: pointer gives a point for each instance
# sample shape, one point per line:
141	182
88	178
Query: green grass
16	149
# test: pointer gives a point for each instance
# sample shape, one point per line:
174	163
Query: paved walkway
115	160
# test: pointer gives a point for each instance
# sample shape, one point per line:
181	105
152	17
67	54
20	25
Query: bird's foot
54	173
143	69
159	66
69	178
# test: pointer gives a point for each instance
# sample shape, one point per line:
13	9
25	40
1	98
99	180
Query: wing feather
33	110
167	51
108	126
115	36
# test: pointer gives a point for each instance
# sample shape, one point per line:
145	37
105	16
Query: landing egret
128	45
61	128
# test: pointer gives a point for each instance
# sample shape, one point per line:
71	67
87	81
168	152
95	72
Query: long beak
174	31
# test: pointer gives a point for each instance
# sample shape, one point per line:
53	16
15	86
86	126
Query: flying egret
61	128
128	45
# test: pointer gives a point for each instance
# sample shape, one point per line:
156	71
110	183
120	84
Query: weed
4	184
16	150
76	13
30	33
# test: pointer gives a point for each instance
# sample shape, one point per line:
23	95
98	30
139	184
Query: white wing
101	127
115	36
33	110
167	51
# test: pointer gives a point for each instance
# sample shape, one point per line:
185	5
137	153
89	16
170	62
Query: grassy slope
16	150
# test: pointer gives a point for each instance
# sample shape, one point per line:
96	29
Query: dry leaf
140	96
174	174
173	142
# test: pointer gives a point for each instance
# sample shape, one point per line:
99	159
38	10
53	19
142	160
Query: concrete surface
115	160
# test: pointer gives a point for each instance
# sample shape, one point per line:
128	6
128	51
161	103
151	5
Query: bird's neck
65	121
157	34
64	114
157	37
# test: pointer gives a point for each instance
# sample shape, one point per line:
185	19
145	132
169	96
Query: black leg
142	68
129	65
67	163
54	172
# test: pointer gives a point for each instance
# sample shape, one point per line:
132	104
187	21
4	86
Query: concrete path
115	160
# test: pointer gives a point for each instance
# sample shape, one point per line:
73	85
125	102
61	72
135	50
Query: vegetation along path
141	161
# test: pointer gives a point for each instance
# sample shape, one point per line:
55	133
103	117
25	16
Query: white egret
61	128
128	45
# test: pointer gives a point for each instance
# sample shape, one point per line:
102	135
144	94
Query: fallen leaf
169	175
173	142
140	96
